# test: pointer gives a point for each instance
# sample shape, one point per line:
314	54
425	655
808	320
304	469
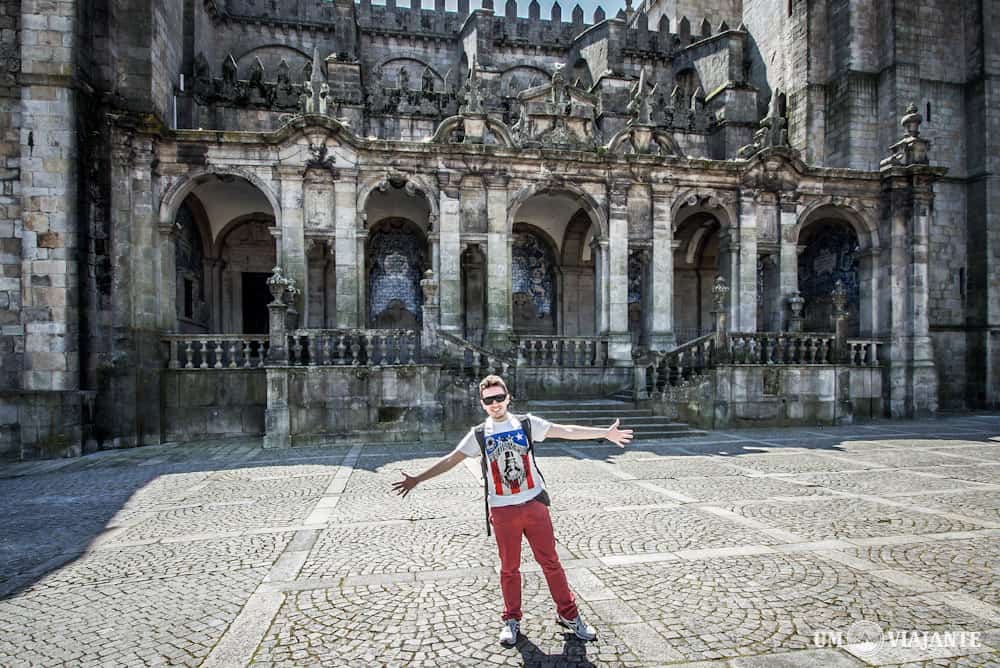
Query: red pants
532	520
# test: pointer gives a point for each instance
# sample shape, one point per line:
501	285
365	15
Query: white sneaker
583	630
508	634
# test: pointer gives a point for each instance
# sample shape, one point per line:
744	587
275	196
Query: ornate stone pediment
556	115
774	170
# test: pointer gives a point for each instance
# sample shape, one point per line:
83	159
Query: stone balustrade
473	361
306	347
562	351
216	351
863	352
781	348
659	371
354	347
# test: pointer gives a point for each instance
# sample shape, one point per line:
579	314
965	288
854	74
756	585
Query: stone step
550	414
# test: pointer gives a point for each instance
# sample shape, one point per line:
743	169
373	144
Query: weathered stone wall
757	395
205	403
44	425
11	223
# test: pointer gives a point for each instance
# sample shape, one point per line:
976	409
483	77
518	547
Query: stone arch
832	208
588	203
396	255
180	189
448	126
420	185
220	240
574	239
702	201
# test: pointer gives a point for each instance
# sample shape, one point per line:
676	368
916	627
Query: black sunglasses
495	399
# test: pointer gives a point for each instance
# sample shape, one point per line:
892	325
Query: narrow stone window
790	7
927	116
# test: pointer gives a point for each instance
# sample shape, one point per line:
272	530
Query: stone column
619	341
788	259
868	276
661	274
729	262
745	289
908	210
499	326
213	292
449	254
168	278
346	255
838	320
292	223
599	253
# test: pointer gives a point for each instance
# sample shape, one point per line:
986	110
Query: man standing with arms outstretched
516	497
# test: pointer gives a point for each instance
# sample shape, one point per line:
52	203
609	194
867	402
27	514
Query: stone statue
677	98
560	93
306	99
324	94
404	79
427	81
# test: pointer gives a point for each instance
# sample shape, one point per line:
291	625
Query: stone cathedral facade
323	218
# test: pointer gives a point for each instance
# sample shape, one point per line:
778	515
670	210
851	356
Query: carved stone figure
324	94
640	108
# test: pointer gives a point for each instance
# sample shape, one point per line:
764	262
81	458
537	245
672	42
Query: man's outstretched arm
620	437
443	465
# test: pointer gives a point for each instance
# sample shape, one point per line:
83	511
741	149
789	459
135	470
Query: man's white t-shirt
513	476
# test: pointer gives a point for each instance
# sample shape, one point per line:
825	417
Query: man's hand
406	485
620	437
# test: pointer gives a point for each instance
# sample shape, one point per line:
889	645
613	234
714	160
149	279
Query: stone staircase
600	413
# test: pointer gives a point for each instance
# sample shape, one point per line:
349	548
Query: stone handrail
562	351
352	347
473	359
656	372
216	351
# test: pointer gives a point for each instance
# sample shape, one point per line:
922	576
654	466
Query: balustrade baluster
411	348
245	351
203	350
824	353
397	342
216	353
341	349
539	353
172	351
355	341
383	349
232	354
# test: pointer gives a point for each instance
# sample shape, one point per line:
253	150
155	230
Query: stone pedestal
277	423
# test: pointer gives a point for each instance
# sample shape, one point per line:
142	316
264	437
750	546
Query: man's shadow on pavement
574	653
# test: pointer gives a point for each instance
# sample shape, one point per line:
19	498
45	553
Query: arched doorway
246	250
396	254
533	281
397	248
553	282
696	264
830	253
223	252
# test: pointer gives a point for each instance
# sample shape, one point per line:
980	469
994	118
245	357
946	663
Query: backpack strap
525	421
480	433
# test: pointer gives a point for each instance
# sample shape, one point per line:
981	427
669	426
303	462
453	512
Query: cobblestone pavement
863	545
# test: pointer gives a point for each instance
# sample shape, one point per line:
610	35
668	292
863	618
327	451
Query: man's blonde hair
492	380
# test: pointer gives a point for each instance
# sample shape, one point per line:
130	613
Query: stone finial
912	149
706	28
640	107
317	68
473	92
277	284
719	291
684	30
723	26
795	305
771	132
599	14
663	27
911	121
429	286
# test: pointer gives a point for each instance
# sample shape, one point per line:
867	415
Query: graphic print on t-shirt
510	468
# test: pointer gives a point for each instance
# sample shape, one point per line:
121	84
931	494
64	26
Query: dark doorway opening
256	296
